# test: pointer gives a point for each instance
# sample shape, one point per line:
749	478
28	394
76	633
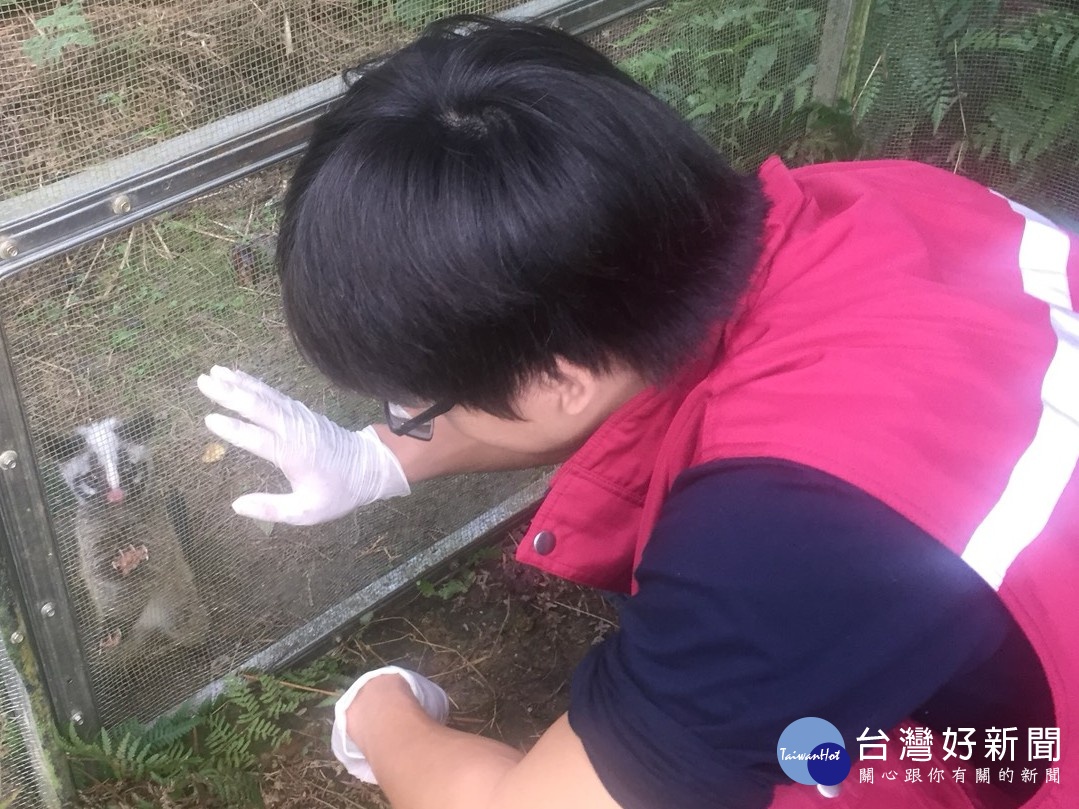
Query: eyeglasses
420	426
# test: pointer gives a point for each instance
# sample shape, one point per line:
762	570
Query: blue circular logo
828	764
811	751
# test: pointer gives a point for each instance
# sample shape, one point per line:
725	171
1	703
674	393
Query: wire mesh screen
83	81
173	589
28	778
19	778
741	71
986	88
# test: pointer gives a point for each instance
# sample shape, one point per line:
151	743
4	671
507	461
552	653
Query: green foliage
449	588
418	13
1035	110
65	26
211	753
12	749
916	60
12	746
974	85
462	578
831	133
979	86
741	71
133	752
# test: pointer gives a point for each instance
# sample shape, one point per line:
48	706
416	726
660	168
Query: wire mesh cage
32	774
81	82
106	343
142	172
743	73
986	89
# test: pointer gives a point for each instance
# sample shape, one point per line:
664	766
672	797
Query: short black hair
496	195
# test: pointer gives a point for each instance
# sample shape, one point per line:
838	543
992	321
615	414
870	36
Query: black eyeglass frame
418	426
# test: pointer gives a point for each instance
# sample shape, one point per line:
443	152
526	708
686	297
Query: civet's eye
88	484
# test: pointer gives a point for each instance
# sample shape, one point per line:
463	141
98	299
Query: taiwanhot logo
811	751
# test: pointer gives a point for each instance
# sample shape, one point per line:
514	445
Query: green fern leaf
760	63
169	729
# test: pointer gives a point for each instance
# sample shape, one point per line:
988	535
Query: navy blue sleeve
769	592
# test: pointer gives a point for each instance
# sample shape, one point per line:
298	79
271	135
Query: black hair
496	195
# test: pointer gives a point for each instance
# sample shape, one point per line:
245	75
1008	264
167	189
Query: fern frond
1035	111
231	788
737	69
171	728
210	752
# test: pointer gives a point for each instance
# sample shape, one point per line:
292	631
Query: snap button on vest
543	542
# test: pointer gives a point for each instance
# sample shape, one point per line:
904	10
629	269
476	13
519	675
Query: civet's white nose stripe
102	440
1043	470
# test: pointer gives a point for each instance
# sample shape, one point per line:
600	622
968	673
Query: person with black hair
818	423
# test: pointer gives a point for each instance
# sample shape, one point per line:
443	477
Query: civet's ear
138	428
62	448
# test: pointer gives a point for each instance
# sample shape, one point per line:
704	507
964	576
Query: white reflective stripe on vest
1045	467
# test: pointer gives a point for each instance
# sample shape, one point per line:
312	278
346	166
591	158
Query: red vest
914	334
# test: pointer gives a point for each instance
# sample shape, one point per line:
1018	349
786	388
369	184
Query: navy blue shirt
769	592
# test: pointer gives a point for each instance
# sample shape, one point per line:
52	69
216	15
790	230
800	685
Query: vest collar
587	529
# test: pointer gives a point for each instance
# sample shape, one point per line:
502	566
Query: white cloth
431	697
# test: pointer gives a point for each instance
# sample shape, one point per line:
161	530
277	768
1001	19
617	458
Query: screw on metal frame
48	609
9	458
8	248
121	204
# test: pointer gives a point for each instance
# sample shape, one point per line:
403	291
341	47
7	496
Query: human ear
574	387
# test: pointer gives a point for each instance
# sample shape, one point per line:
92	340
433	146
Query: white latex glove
332	470
431	697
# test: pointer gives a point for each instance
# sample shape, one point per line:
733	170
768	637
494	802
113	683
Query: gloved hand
431	697
332	470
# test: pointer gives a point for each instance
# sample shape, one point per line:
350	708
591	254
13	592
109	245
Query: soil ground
504	650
